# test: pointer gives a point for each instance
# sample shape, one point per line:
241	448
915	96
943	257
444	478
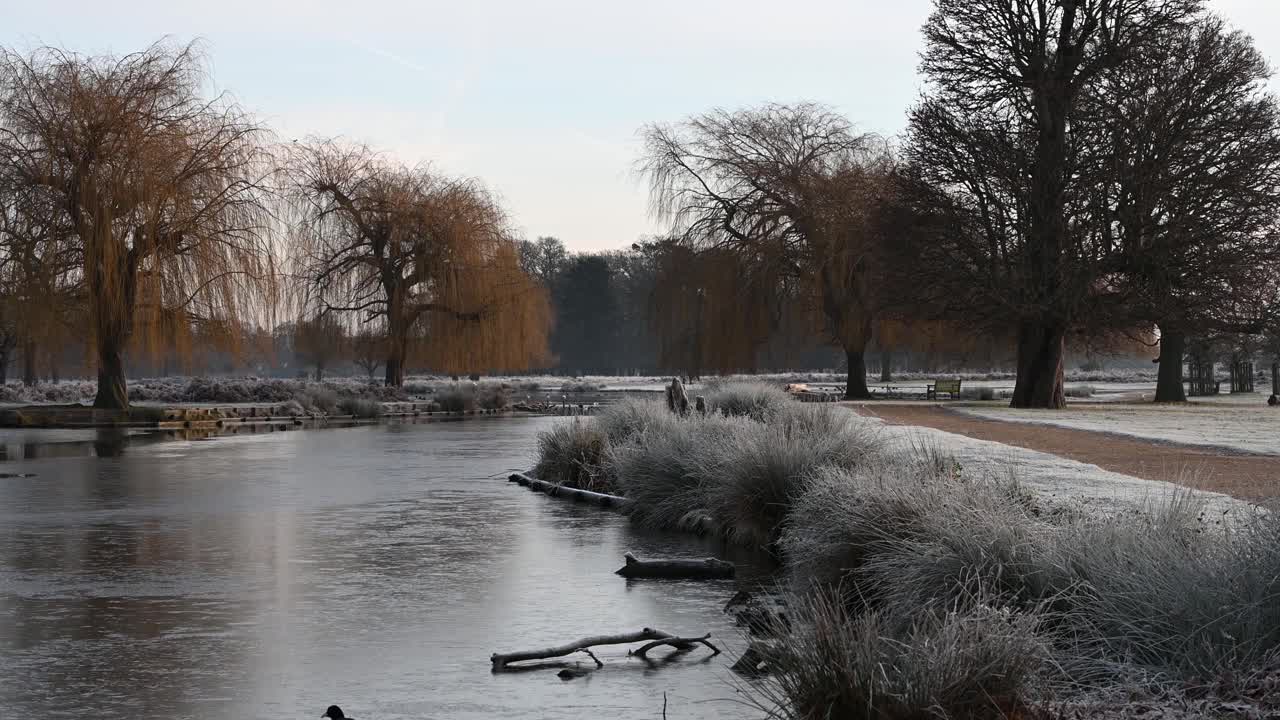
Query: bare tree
423	254
1189	156
996	134
320	341
368	349
787	188
160	186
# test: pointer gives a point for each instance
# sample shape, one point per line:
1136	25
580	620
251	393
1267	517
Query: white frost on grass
1250	427
1058	482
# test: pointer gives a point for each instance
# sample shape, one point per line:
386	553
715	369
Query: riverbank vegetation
336	396
920	589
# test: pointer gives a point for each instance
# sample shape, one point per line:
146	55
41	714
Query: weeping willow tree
39	279
161	186
428	258
710	310
794	194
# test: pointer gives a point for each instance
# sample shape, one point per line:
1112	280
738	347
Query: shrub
665	475
455	398
318	400
977	664
754	400
360	407
755	472
1175	592
492	395
627	420
573	454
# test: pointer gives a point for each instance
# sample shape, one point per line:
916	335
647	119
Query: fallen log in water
706	569
550	488
677	643
656	637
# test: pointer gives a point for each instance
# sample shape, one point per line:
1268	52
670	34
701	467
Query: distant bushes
757	401
1079	391
470	396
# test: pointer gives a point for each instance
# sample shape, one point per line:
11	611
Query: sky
542	99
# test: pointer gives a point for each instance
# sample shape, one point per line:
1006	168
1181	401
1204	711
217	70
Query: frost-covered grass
573	454
896	549
933	575
348	396
1251	427
978	664
755	400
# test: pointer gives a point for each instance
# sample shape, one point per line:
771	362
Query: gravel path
1253	478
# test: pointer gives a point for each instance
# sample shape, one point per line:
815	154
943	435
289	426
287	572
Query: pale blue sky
540	99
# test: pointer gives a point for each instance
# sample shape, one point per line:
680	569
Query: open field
1234	422
1253	478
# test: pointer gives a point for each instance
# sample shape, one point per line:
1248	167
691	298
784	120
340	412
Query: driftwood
556	490
502	660
678	643
710	568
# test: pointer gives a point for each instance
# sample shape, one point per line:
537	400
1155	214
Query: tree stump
677	398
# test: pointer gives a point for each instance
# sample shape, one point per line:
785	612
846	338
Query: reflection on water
268	575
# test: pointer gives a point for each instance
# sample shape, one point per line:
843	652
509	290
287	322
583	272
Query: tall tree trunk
886	365
29	362
394	375
1173	345
856	384
4	365
397	335
112	394
1041	348
319	373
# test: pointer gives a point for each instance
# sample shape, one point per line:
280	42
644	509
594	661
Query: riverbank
208	417
920	582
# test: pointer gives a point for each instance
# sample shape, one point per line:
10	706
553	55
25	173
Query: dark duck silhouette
335	713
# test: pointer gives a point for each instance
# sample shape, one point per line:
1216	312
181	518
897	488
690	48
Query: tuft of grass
755	474
979	664
666	474
757	401
628	420
1174	591
360	407
573	454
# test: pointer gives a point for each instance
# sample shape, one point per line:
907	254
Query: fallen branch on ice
656	638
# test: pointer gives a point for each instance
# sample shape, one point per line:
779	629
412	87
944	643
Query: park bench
952	387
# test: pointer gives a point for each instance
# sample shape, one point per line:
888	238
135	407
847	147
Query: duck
335	713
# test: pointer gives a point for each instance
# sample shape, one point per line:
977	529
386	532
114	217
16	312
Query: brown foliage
159	186
793	193
428	256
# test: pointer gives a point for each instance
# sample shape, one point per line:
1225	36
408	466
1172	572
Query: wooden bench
951	387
